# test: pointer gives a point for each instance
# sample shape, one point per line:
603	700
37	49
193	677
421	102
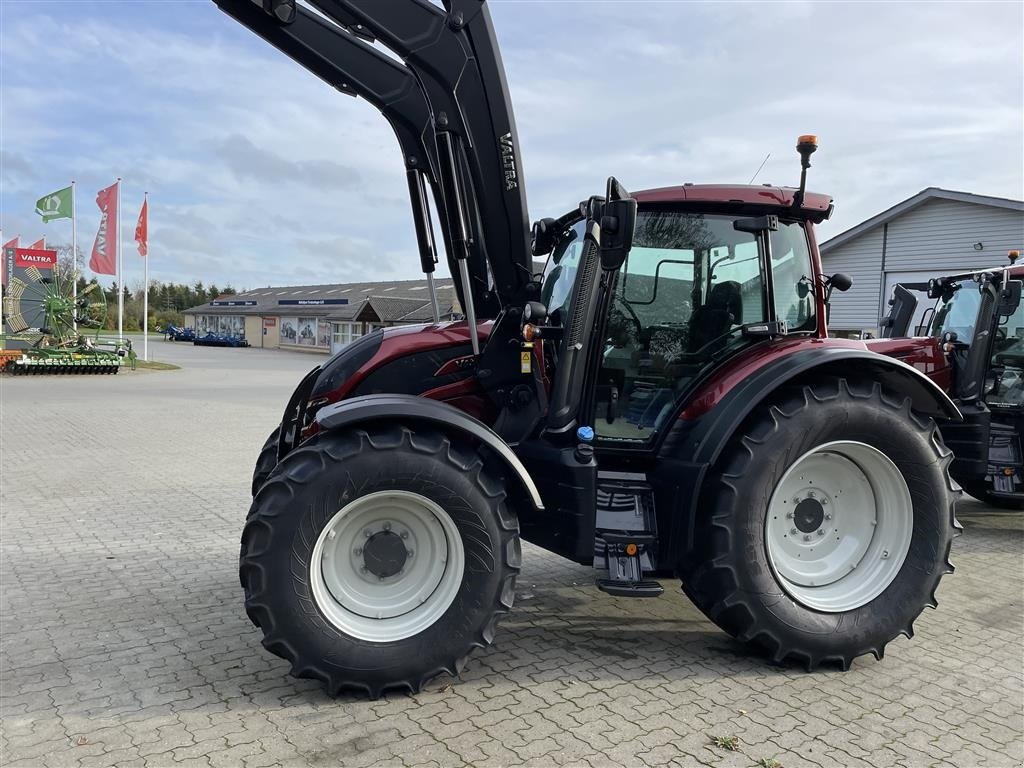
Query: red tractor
662	400
971	343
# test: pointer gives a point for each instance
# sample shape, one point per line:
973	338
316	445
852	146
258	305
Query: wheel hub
838	526
386	566
809	515
384	554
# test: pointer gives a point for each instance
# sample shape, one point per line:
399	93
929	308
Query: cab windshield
957	311
1008	361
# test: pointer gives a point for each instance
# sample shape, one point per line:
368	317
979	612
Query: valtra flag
104	250
142	229
35	257
38	244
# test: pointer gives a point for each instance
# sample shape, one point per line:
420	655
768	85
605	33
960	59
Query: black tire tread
265	462
711	582
303	466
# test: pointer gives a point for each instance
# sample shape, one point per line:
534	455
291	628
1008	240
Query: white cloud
259	173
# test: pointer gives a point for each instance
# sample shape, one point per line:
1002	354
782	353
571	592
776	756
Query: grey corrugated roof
390	301
929	193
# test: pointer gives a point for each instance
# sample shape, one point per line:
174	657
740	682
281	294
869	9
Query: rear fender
702	446
409	409
717	427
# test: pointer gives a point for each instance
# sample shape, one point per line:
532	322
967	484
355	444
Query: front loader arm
455	57
339	57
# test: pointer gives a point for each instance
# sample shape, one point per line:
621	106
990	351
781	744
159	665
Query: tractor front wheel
830	526
378	559
266	461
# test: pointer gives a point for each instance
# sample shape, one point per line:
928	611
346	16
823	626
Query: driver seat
723	310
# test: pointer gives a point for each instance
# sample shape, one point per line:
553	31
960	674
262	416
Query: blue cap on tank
585	434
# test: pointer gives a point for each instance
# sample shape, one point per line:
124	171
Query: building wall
933	239
939	237
861	259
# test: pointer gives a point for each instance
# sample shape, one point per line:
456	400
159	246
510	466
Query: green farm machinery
54	329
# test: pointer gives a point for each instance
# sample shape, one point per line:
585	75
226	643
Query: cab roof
816	206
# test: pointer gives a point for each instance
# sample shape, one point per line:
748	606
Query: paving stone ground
123	640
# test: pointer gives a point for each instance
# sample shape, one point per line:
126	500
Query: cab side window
791	278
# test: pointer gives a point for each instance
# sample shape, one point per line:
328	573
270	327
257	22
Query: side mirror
618	223
1009	297
542	237
840	282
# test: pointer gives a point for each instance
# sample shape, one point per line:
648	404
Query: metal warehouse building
935	232
321	318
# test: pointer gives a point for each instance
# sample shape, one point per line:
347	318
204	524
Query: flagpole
145	294
74	261
120	286
3	269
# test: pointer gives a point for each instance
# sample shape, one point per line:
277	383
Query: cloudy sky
259	174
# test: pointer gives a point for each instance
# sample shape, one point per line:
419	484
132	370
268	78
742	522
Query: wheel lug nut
793	531
824	500
789	515
409	552
367	533
357	551
810	494
363	569
885	553
821	531
331	534
828	517
807	537
404	534
386	526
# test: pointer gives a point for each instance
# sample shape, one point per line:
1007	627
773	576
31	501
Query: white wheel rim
366	586
839	525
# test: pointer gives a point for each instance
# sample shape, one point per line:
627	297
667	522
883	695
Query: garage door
923	302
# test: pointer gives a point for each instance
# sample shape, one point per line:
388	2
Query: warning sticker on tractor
525	358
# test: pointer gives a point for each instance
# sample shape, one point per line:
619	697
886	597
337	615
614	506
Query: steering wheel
639	326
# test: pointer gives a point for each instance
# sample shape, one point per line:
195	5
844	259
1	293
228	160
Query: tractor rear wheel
830	525
266	461
378	559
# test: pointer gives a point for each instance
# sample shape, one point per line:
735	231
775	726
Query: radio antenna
759	168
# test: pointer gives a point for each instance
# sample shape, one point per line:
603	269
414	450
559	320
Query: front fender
412	409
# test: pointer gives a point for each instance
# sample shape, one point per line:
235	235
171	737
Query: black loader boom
450	109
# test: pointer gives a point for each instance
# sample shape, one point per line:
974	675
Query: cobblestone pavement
124	641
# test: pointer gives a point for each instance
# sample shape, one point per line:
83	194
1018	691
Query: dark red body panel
732	373
924	353
815	205
402	341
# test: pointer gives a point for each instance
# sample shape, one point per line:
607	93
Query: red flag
142	228
38	245
104	250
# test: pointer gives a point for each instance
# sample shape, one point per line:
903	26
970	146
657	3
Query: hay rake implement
57	331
